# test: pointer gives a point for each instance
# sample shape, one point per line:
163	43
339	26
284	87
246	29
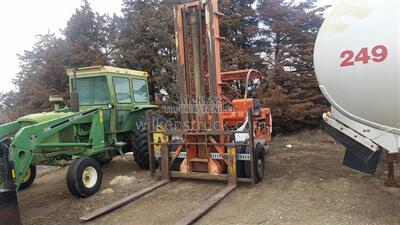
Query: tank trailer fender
30	138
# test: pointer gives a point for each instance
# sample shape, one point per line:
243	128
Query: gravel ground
305	184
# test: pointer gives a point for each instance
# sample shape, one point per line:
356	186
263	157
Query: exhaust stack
74	94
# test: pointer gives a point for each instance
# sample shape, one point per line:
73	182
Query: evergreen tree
42	74
147	41
239	27
289	30
89	39
108	35
275	37
84	37
9	109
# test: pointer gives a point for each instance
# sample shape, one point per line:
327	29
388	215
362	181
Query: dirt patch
122	180
305	184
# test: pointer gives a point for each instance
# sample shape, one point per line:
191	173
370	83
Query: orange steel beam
180	54
214	55
124	201
206	206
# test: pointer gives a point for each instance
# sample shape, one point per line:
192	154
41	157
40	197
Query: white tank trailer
358	68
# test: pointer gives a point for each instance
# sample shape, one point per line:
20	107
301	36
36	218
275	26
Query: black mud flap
357	156
9	213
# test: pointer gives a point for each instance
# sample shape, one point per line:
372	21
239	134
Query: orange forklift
223	132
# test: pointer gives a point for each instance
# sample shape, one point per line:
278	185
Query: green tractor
106	117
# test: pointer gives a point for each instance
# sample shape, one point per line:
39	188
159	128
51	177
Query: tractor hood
43	117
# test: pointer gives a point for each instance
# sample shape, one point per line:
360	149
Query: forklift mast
198	56
224	141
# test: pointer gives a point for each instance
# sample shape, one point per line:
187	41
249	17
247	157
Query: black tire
76	173
176	166
139	140
29	178
241	149
259	163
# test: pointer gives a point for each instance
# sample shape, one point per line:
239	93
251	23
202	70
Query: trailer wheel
259	163
84	177
139	139
29	177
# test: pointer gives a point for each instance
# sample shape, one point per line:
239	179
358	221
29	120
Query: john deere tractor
106	117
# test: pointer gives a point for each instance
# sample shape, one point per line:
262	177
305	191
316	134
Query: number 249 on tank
377	54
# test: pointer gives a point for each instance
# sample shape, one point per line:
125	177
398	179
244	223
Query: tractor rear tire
84	177
140	141
259	163
29	177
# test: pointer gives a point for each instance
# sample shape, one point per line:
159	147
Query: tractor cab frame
118	92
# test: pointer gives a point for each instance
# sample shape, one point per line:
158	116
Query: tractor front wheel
84	177
140	141
29	177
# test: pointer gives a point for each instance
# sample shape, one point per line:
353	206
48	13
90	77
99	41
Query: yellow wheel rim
27	175
159	138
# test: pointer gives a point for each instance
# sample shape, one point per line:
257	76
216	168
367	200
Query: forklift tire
84	177
259	163
139	140
29	177
176	166
240	163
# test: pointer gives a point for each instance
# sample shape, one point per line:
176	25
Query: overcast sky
22	20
